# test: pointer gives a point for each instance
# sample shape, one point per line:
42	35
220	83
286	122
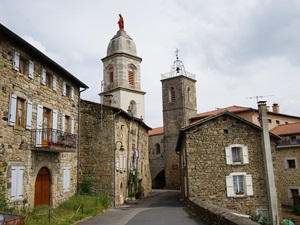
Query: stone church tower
179	104
121	85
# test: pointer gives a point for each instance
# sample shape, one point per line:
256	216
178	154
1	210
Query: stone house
114	150
39	125
288	158
222	163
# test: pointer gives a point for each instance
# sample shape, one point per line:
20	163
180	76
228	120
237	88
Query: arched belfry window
172	94
131	80
157	149
132	108
111	74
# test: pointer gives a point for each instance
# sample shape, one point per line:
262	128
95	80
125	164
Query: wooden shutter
28	115
54	81
30	69
72	93
12	110
245	155
39	126
229	186
72	125
249	186
64	88
63	119
16	61
228	155
43	76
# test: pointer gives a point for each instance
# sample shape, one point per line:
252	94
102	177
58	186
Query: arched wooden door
42	188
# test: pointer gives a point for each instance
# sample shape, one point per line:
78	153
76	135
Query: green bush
86	185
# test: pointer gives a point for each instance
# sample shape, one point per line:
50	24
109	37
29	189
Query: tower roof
121	43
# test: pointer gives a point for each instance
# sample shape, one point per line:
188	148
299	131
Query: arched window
131	75
157	149
172	94
132	107
111	75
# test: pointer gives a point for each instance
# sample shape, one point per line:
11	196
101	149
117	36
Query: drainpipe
114	149
78	144
270	180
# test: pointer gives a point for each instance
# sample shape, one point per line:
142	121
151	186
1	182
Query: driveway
162	207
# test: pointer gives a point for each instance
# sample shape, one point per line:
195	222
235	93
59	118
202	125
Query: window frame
244	154
247	185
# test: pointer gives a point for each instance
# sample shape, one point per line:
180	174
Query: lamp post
115	187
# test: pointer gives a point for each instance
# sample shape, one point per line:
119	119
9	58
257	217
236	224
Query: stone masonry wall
156	160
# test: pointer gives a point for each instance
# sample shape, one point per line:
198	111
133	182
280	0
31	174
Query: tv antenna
259	96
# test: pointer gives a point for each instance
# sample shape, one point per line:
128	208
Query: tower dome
121	43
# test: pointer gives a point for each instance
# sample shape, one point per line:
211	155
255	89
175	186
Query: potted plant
140	192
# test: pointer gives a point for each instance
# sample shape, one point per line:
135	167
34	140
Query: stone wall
16	141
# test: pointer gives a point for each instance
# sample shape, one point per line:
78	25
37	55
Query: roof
287	129
122	112
208	118
38	54
156	131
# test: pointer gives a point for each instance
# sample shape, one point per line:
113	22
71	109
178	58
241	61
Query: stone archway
42	187
160	180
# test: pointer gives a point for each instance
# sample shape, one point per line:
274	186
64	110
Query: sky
237	49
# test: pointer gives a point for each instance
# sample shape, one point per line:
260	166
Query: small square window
269	120
291	163
294	192
277	122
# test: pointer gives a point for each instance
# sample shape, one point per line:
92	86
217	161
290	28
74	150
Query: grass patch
76	208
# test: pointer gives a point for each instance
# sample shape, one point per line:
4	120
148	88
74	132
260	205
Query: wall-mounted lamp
121	147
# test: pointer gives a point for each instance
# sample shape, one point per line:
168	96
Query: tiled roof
233	109
156	131
287	129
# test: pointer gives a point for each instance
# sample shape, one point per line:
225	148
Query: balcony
289	143
52	140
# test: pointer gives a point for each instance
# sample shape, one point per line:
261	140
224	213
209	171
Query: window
293	139
277	122
23	65
236	154
48	81
263	213
16	182
111	75
157	149
132	108
67	90
294	192
67	124
290	163
17	112
239	184
66	179
131	76
172	94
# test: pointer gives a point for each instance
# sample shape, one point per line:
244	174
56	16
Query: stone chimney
268	162
275	108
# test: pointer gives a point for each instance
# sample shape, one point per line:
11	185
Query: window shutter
20	172
43	76
228	155
13	190
121	161
249	186
16	61
39	125
28	115
12	110
64	89
54	125
72	125
229	186
63	117
30	69
245	155
124	163
54	81
72	93
68	178
65	179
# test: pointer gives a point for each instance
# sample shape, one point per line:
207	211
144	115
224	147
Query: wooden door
42	188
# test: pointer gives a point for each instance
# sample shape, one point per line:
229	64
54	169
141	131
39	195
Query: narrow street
162	207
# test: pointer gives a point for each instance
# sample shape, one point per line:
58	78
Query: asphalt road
162	207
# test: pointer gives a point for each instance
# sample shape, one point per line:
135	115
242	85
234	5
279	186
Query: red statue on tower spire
121	22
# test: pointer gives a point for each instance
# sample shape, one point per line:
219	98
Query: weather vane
177	53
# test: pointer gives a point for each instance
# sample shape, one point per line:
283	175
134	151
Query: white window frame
287	164
66	179
228	153
247	183
289	191
16	183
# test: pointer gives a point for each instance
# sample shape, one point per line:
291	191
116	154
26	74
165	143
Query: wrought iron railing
52	138
284	142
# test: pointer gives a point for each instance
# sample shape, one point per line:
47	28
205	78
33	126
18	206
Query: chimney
268	162
275	108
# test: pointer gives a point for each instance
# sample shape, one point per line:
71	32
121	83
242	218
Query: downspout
114	149
78	144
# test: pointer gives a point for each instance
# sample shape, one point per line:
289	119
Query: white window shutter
54	81
54	125
43	76
228	155
64	179
64	88
245	155
249	186
39	126
68	178
72	93
72	125
121	161
28	115
30	69
20	172
63	118
229	186
13	189
124	163
16	61
12	110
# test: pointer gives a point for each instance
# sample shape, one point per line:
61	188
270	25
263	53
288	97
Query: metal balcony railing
52	140
285	142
